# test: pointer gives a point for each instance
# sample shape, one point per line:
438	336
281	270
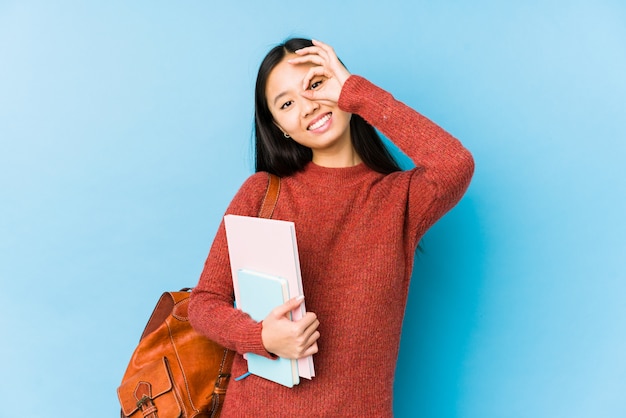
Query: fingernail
299	298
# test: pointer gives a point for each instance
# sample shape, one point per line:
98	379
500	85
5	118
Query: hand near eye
326	67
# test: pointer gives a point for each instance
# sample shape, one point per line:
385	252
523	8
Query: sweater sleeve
211	305
443	167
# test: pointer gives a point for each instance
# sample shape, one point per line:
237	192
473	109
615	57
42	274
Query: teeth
320	122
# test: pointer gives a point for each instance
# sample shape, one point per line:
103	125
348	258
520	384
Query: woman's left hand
327	67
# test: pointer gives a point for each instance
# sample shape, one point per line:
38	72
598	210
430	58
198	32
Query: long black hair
277	155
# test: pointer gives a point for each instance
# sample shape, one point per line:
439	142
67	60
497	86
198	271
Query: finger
306	50
321	44
307	348
308	59
285	308
312	55
328	50
327	96
321	49
319	96
313	50
312	349
303	328
311	338
325	47
315	72
308	322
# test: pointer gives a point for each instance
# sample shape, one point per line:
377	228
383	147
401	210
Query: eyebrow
277	98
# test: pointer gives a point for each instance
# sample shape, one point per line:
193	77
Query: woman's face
319	125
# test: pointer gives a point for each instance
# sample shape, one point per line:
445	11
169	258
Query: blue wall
125	129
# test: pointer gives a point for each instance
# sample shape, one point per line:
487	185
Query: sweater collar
334	176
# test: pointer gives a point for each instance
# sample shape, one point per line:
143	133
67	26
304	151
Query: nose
308	106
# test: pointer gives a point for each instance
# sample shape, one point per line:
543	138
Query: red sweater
357	235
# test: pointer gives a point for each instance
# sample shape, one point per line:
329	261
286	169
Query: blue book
259	293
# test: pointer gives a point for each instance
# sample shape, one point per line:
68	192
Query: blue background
126	126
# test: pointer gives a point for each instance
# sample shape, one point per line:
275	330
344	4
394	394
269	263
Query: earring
286	135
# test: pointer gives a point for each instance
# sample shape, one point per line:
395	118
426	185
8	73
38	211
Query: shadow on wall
441	315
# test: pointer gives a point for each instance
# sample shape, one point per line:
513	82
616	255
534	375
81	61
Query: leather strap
271	196
266	211
143	392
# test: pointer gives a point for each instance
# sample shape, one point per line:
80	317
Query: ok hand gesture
325	79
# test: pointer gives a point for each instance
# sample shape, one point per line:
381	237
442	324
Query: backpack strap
271	196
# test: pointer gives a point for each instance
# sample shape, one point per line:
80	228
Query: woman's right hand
290	339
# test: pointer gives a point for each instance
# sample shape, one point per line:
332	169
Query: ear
285	134
279	127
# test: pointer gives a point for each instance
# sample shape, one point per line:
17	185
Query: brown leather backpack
174	371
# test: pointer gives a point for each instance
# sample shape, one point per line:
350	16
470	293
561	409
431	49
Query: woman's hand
326	69
290	339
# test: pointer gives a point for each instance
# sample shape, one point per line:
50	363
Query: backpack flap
149	390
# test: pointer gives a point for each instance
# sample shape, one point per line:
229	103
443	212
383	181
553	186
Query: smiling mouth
320	122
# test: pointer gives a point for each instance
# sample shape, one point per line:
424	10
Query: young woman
358	219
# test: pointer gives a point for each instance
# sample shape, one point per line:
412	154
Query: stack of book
266	273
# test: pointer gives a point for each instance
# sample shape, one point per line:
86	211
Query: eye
316	84
286	104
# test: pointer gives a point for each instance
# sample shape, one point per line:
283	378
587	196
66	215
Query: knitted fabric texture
357	233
